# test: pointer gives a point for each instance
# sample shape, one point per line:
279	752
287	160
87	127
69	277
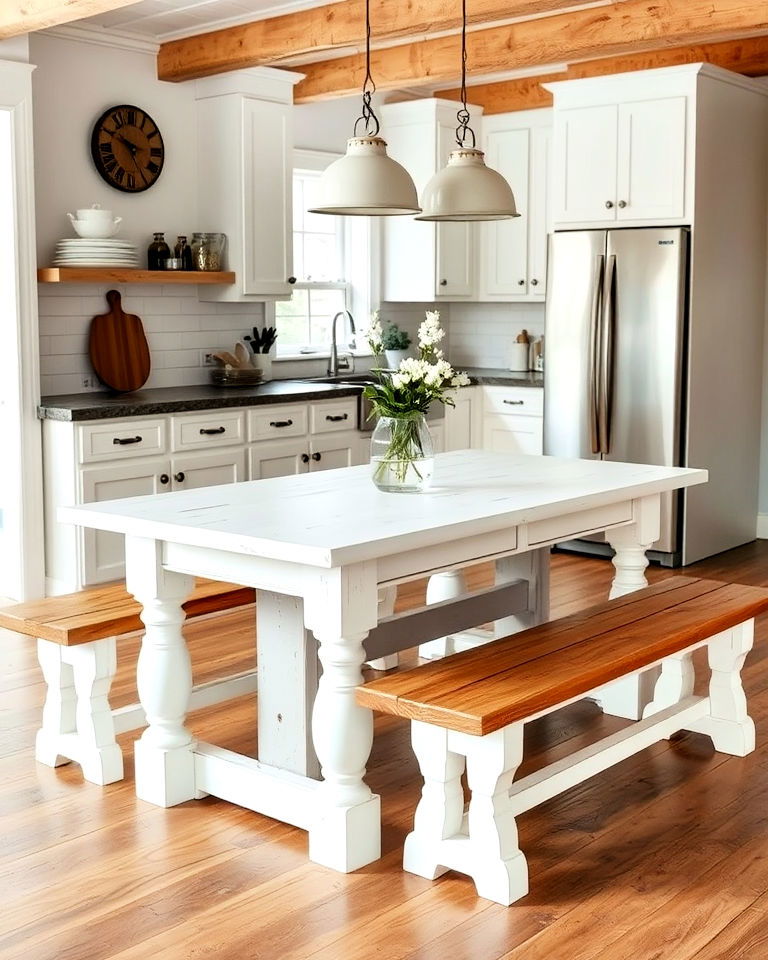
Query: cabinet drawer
334	415
204	431
119	440
520	401
282	420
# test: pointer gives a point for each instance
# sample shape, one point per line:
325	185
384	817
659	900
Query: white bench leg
59	707
447	585
495	862
483	845
387	597
729	725
674	684
77	718
440	812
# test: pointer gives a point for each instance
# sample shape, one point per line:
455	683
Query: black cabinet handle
281	423
291	279
521	283
122	441
534	283
443	283
164	478
609	204
305	458
209	432
336	419
179	477
514	403
317	456
622	203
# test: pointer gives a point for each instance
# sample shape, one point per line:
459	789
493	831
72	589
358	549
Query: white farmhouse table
335	547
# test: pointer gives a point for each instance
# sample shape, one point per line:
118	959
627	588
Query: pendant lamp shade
366	182
467	190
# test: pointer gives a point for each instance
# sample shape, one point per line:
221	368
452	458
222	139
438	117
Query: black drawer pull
514	403
317	456
281	423
336	419
305	458
179	477
164	478
209	432
122	441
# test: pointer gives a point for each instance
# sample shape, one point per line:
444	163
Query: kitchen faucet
333	360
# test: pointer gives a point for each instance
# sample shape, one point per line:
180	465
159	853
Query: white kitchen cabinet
278	458
463	422
330	451
192	470
622	149
513	419
424	261
513	253
244	170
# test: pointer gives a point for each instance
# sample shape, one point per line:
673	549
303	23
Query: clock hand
141	172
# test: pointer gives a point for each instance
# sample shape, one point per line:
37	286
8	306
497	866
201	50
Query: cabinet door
651	160
336	450
278	458
104	553
505	434
585	164
455	241
267	192
540	210
193	470
460	420
505	242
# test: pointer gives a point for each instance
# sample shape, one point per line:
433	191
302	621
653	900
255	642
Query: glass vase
402	455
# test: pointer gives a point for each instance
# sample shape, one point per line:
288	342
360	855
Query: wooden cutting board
118	348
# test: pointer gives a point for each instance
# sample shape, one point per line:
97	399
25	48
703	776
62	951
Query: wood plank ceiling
513	45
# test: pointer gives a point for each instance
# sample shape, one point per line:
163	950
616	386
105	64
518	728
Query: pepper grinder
158	252
182	251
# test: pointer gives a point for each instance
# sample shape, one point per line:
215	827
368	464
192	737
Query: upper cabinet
512	262
244	158
623	149
423	261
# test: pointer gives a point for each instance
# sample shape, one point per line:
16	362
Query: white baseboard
762	526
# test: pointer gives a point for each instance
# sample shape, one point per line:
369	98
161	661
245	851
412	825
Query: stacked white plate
95	253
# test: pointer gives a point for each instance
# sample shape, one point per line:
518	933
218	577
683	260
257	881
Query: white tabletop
337	517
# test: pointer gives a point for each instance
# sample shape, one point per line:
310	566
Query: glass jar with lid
208	251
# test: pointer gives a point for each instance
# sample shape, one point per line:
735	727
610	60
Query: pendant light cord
368	117
463	129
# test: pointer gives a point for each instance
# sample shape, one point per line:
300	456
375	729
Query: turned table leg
165	769
346	833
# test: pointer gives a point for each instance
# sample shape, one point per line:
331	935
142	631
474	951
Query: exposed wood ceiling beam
749	57
633	26
331	27
26	16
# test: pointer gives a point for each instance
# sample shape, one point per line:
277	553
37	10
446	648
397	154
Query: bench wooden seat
472	707
77	649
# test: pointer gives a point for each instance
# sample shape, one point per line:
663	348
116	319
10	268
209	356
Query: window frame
359	239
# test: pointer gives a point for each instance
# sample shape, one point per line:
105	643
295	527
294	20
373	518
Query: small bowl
94	213
222	376
96	229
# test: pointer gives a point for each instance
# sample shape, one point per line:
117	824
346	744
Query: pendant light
466	189
366	182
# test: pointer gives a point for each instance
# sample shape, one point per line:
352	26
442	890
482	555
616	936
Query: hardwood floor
663	857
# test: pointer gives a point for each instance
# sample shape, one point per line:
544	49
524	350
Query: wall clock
127	148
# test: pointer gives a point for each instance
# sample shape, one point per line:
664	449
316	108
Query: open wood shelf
129	275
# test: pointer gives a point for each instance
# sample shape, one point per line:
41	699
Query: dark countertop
105	406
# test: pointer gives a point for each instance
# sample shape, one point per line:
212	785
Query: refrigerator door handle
595	339
605	389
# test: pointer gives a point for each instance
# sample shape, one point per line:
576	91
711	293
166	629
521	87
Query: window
331	258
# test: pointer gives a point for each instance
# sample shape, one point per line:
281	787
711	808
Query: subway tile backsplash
481	334
177	325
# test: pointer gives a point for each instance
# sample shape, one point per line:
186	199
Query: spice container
158	253
182	251
208	251
174	263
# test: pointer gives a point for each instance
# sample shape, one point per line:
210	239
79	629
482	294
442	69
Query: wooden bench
471	708
77	649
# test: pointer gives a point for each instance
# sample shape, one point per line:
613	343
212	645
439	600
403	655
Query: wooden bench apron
470	709
77	650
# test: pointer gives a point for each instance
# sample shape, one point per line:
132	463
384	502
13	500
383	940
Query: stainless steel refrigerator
615	369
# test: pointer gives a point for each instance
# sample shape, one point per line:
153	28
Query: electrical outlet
88	382
206	358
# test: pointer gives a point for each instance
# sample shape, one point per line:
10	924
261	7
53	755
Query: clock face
127	148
